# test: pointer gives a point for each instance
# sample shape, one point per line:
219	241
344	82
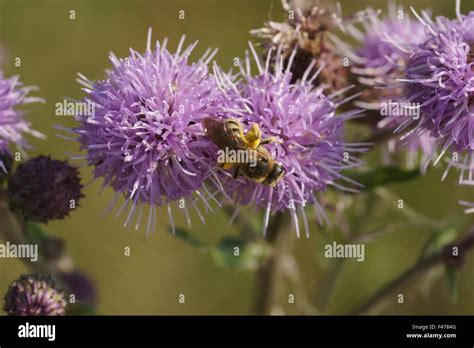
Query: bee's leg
236	172
267	141
253	136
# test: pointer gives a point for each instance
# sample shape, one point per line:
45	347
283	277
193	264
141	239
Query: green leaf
442	237
452	277
439	240
230	252
36	231
235	253
384	176
189	239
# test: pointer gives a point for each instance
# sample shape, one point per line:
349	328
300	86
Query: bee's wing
214	130
237	143
234	135
222	136
212	126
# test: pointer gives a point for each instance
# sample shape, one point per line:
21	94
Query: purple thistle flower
380	61
146	139
33	295
13	125
440	78
309	137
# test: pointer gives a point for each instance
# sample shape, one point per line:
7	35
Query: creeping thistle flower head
308	138
440	78
33	295
379	60
307	29
13	125
146	139
43	189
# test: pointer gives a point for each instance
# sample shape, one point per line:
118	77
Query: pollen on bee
241	156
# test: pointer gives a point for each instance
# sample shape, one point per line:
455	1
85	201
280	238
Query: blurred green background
54	48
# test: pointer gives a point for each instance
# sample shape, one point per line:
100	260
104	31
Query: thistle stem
444	255
269	273
328	284
13	230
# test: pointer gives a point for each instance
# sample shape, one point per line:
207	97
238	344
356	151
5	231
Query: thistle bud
33	295
43	189
306	35
81	286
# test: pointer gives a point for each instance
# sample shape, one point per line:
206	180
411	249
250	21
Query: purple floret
146	138
309	139
440	77
13	125
380	60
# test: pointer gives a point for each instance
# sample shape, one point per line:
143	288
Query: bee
229	136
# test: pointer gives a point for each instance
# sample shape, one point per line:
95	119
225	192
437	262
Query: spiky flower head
379	60
306	31
33	295
146	138
308	138
13	125
44	189
440	78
